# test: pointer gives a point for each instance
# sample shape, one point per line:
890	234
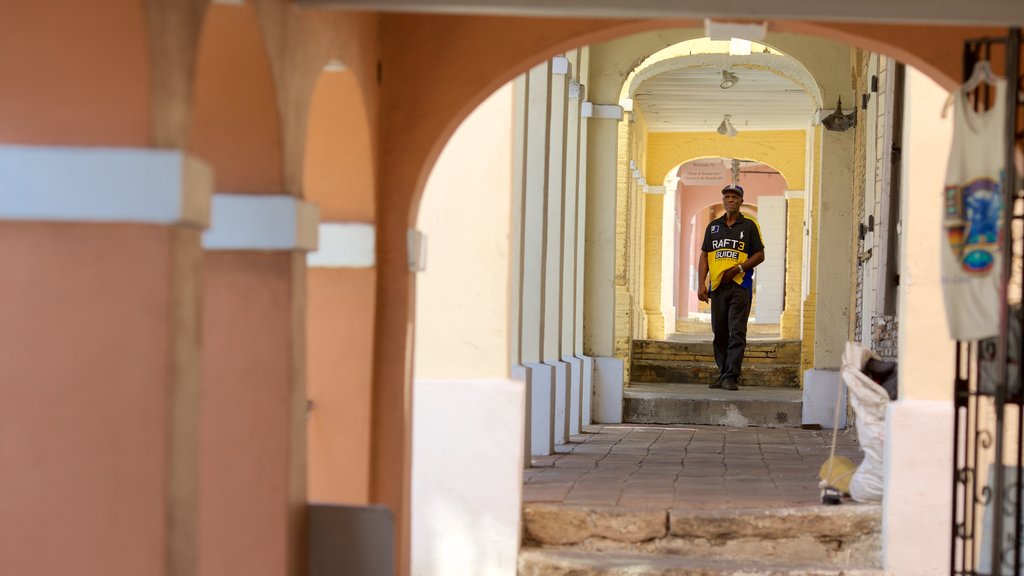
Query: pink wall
338	359
244	421
694	200
86	375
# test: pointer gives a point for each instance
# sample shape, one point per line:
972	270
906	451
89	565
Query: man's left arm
753	260
756	250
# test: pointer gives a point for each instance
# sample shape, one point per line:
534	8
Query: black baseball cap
735	188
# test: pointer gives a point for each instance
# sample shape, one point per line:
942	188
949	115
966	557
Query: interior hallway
682	466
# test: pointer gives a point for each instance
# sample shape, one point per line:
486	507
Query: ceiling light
726	128
728	80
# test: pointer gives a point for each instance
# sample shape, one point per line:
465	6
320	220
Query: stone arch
235	121
338	176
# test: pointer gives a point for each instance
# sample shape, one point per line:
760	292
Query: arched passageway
339	178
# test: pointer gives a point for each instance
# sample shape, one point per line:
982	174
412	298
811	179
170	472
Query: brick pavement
683	466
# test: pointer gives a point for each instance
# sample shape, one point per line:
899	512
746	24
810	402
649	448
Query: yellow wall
652	266
789	323
630	205
783	150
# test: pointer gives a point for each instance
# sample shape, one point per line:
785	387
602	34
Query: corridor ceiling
950	12
692	100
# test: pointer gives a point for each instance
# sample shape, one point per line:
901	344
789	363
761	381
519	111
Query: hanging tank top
972	226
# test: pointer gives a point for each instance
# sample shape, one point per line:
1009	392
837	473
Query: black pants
730	308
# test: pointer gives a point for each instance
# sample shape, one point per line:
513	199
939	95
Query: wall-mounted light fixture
728	80
837	121
726	128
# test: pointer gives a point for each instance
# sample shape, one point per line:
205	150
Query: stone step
774	363
537	562
821	539
645	403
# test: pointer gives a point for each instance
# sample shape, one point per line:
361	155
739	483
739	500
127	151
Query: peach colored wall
339	173
74	73
86	385
692	200
244	423
339	357
235	120
339	177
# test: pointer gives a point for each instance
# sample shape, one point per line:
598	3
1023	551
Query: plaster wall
104	308
783	150
462	296
467	477
339	329
235	118
924	335
835	233
244	420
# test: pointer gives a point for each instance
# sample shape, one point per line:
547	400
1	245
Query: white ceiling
691	100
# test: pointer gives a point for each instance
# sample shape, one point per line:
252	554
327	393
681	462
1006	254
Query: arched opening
699	201
235	124
465	505
341	283
250	291
815	176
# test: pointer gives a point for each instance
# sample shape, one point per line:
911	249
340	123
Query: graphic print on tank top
973	223
971	260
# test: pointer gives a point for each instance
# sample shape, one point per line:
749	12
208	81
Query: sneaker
717	383
730	384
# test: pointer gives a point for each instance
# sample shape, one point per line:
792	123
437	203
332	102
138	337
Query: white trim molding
80	184
601	111
262	222
416	246
560	65
345	245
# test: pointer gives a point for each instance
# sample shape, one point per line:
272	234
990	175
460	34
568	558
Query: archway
408	180
338	177
247	419
698	196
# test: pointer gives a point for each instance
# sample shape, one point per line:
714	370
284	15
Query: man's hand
702	293
730	273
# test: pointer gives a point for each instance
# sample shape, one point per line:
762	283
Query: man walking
732	248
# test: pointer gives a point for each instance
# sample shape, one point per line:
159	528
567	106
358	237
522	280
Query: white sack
869	401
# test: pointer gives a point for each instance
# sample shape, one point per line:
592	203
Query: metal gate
989	422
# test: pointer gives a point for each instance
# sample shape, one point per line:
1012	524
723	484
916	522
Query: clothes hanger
982	73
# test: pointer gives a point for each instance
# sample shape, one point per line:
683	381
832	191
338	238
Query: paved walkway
683	466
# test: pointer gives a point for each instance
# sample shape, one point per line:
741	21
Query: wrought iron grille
989	417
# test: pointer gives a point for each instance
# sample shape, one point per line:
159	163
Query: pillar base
541	379
820	389
917	503
608	385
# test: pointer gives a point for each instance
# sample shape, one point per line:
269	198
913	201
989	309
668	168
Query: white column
571	259
668	255
533	248
555	248
599	302
918	502
587	389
